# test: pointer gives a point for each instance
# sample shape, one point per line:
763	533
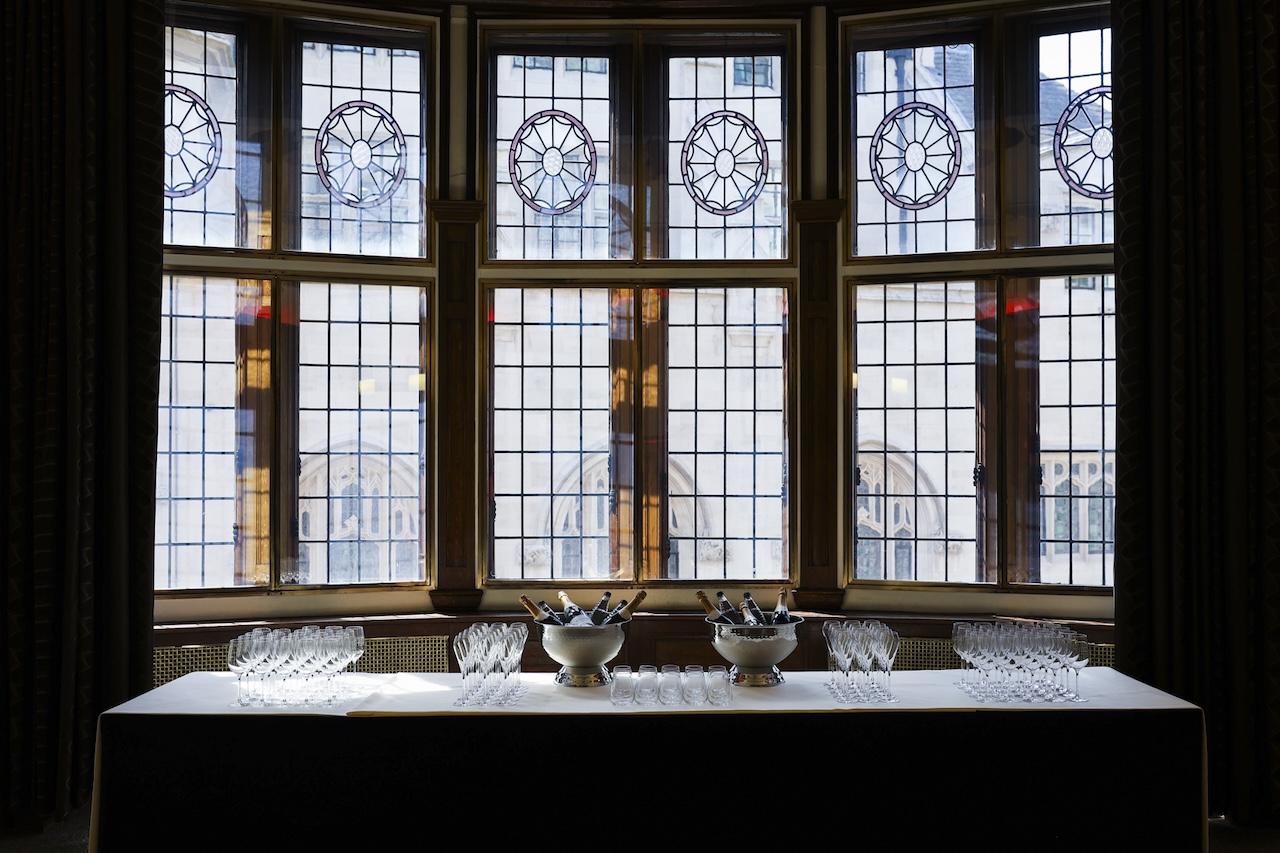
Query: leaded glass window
360	434
726	158
916	148
984	413
362	114
553	182
572	178
700	494
918	372
211	492
213	157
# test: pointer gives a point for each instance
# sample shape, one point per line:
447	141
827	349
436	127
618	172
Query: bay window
636	301
294	391
982	301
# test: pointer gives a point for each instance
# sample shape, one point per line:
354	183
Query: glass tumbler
719	685
646	692
622	687
695	685
670	690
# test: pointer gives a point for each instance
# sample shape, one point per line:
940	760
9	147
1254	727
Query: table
403	767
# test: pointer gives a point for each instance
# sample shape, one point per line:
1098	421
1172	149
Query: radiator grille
381	654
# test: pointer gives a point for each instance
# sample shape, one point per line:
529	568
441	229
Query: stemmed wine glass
277	648
886	649
1078	659
859	640
357	652
241	653
514	640
830	633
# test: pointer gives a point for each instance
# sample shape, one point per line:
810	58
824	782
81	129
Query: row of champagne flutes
293	667
1020	661
863	653
489	658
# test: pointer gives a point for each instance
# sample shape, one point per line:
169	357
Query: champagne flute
239	662
1079	660
357	638
830	633
886	652
276	648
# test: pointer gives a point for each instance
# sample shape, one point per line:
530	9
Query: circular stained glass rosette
1082	144
360	154
192	142
552	162
724	162
915	156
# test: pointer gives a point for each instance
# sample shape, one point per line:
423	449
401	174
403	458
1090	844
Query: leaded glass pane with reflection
552	184
1077	430
726	158
1076	166
207	202
915	150
211	487
551	474
916	511
726	433
362	184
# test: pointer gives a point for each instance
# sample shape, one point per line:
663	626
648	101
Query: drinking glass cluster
1020	661
293	667
489	658
669	686
863	654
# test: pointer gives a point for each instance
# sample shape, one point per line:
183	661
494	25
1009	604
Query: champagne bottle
711	609
612	615
728	612
748	618
781	613
602	607
751	605
549	616
535	611
572	614
714	613
630	609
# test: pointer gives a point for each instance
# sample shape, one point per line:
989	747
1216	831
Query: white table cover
415	693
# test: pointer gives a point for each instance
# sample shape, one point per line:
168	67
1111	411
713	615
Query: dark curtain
1198	311
80	241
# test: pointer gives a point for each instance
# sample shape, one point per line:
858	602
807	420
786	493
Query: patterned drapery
80	135
1198	325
